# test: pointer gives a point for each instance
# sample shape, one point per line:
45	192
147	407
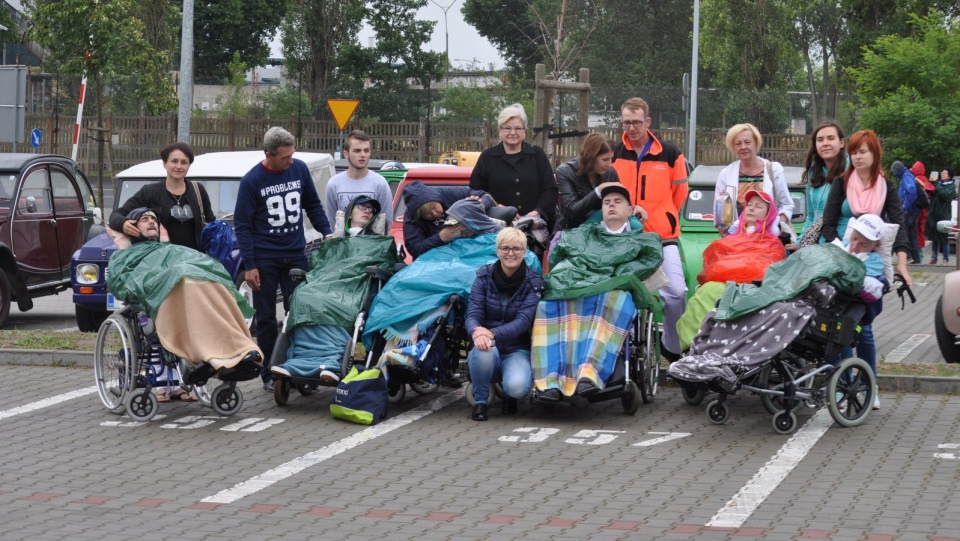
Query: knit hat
140	212
896	167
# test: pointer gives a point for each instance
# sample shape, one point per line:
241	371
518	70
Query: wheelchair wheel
227	399
693	395
851	390
631	397
281	391
305	389
649	376
422	387
395	395
468	394
203	392
142	405
768	378
113	363
718	412
784	422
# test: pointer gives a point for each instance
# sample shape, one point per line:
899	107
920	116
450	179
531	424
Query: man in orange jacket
655	174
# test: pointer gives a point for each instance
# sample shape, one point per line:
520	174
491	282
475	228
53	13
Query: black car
47	212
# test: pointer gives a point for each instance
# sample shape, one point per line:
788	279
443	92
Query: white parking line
900	352
47	402
739	509
283	471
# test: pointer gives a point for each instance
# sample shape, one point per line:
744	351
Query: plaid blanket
579	338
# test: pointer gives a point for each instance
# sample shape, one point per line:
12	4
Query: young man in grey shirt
357	180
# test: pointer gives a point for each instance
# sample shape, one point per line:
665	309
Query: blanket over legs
724	349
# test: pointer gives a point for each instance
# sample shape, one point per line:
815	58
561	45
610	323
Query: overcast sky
466	45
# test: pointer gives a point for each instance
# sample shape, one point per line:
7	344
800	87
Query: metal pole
692	141
446	32
186	74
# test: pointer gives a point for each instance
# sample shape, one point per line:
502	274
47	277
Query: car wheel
5	294
90	320
945	339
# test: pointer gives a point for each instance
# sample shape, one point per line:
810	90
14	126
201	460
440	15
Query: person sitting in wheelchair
500	314
593	292
361	217
438	215
198	313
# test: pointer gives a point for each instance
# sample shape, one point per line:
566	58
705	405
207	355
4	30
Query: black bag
922	201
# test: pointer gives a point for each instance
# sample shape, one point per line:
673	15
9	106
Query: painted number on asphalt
252	424
948	456
588	437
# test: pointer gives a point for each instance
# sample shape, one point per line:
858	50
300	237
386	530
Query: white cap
869	225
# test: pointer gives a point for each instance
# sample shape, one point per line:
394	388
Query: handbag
361	397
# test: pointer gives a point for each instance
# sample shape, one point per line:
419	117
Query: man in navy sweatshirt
268	221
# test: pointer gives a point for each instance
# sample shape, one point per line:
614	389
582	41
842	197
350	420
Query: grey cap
896	167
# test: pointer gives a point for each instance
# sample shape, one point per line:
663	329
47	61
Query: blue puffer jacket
511	320
421	235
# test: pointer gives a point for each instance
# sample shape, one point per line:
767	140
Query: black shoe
196	374
670	356
509	406
550	395
247	369
268	385
479	412
586	388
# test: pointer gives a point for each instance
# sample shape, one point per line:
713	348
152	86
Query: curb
84	359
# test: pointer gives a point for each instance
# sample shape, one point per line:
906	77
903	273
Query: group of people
638	184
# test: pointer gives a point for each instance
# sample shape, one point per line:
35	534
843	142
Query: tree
909	91
234	102
225	27
106	41
313	34
380	75
819	27
467	103
510	27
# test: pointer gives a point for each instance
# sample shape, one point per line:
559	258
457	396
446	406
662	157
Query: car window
222	192
799	207
35	194
8	186
65	195
699	205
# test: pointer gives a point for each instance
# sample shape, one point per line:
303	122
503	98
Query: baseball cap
140	212
869	225
366	199
616	188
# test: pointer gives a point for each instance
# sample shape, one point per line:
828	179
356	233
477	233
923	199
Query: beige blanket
201	322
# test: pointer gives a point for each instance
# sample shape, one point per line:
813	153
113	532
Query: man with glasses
268	221
654	172
357	180
362	217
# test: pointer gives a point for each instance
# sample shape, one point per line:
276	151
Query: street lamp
446	34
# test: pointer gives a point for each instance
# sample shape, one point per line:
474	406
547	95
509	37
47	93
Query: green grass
45	339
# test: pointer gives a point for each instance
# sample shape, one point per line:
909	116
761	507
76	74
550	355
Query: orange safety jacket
658	183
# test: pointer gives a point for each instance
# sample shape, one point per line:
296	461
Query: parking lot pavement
587	472
907	335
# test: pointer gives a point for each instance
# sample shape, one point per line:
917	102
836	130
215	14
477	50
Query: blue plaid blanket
579	338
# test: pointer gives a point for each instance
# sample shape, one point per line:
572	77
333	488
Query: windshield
222	192
699	207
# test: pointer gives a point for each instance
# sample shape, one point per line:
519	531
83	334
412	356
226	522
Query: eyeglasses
511	249
511	129
633	123
364	208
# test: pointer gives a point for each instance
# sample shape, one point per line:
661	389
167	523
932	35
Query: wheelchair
129	363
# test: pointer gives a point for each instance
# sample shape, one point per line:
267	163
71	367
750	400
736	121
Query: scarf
508	285
865	200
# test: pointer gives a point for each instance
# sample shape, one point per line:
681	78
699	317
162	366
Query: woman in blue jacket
500	314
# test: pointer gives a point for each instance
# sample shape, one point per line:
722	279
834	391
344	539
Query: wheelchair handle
298	275
904	288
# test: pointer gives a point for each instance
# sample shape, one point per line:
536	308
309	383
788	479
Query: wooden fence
136	139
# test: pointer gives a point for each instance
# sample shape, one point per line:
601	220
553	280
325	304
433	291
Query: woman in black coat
516	173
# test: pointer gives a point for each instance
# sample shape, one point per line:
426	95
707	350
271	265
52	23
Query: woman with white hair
516	173
750	172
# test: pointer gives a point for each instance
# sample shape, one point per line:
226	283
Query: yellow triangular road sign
342	111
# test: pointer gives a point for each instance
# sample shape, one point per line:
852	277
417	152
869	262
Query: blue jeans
910	219
515	368
273	272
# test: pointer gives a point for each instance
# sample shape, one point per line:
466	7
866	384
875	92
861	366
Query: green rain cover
788	278
589	260
146	272
337	283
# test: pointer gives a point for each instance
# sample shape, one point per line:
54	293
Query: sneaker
268	385
876	401
327	376
946	261
280	371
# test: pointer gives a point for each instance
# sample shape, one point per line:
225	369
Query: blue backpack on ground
361	397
